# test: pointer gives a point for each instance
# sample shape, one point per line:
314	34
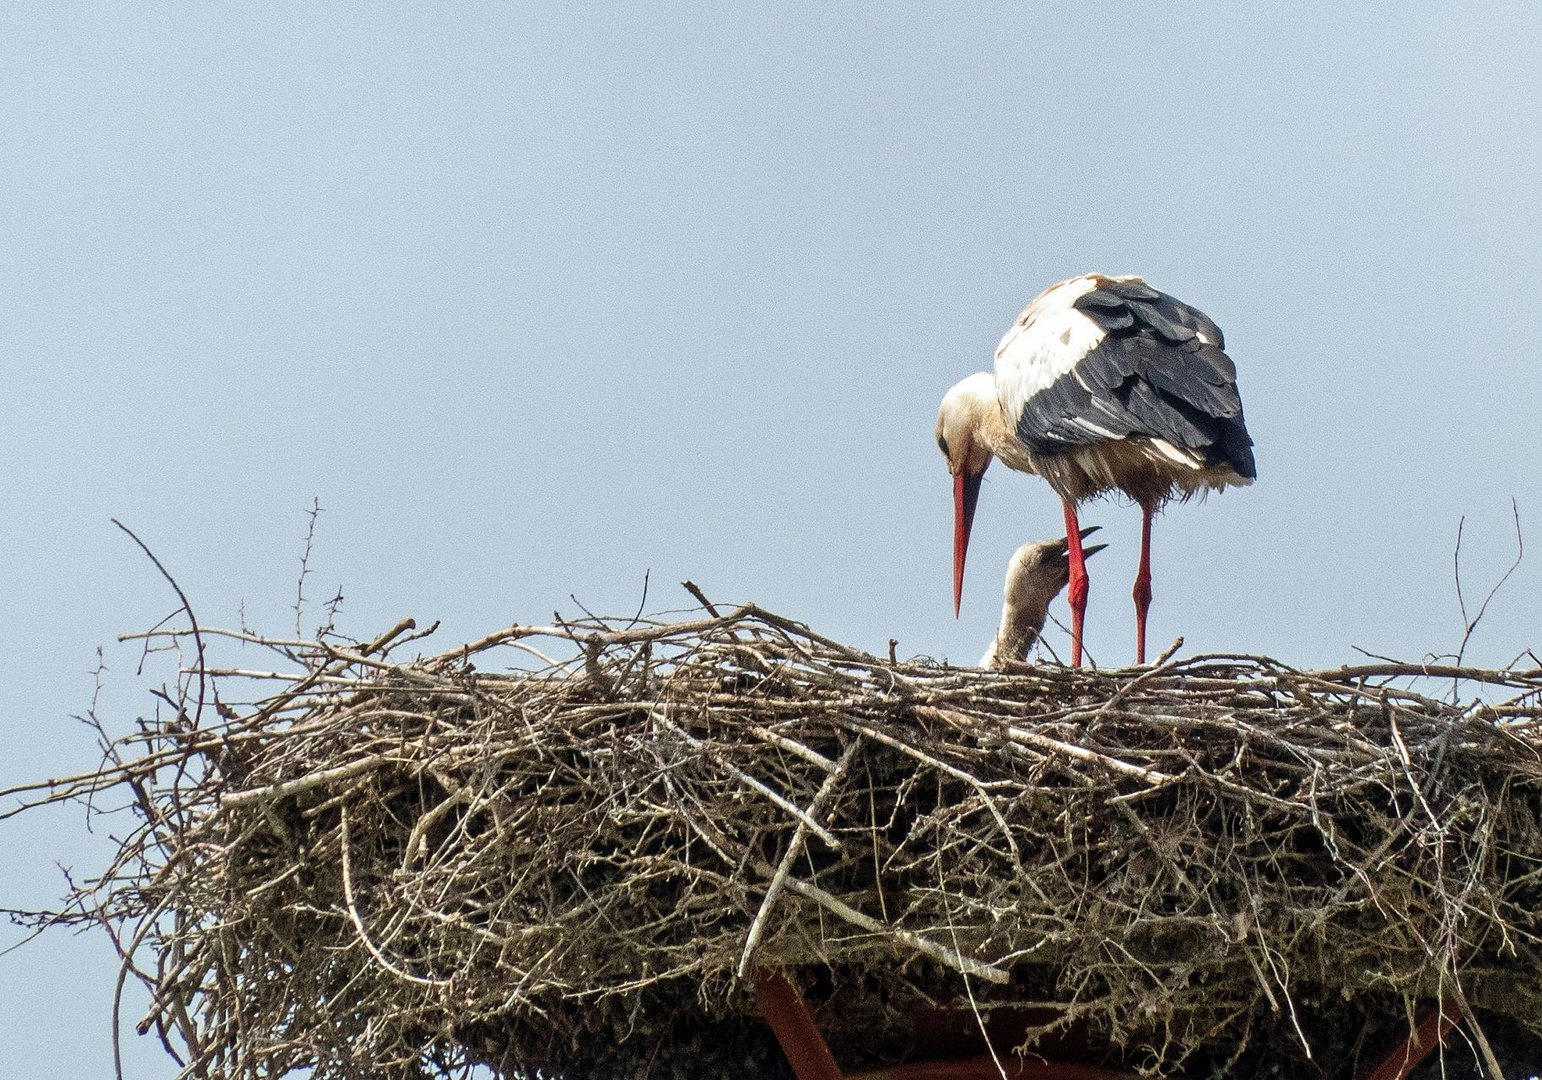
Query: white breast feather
1048	339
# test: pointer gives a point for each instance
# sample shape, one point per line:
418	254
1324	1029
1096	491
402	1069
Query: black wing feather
1130	290
1111	319
1188	377
1169	308
1150	375
1148	315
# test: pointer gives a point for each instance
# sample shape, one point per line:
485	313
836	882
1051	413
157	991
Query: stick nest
366	867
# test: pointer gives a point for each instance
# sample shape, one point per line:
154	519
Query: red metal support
1011	1067
1430	1033
793	1023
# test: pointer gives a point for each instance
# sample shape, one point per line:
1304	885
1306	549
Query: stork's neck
1022	621
991	429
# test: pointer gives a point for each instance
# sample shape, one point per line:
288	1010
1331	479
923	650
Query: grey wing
1159	371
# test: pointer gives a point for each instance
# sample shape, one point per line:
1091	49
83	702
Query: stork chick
1035	576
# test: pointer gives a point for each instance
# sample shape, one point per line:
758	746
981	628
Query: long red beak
966	493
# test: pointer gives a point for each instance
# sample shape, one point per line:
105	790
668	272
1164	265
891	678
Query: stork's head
967	409
1035	576
1038	572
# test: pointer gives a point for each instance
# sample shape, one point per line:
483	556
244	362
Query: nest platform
567	851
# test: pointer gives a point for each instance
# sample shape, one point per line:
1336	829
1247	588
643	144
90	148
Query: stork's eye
942	444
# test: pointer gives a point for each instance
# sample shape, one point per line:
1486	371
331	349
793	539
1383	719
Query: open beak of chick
1061	551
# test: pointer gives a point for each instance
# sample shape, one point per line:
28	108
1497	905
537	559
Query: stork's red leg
1076	588
1142	591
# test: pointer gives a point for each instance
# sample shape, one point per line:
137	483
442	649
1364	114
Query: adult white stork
1103	384
1035	576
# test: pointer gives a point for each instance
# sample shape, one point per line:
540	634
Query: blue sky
537	300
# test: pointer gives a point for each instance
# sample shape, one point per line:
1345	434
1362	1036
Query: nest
364	867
